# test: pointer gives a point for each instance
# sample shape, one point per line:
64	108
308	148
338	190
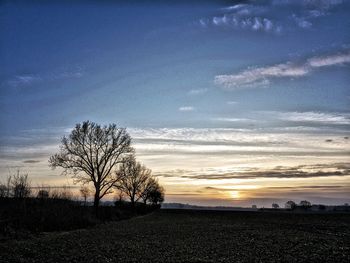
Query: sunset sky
229	103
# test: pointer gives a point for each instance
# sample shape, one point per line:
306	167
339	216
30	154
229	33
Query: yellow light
234	194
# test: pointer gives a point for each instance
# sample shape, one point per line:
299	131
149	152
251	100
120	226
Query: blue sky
188	79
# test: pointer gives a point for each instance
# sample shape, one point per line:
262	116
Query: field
195	236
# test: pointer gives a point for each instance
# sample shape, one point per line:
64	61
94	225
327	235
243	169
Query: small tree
290	205
91	153
20	185
150	185
132	177
62	192
157	195
275	206
85	192
305	204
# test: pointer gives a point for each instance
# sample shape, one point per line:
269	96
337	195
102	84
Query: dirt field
195	236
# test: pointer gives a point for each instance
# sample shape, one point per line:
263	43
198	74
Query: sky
230	103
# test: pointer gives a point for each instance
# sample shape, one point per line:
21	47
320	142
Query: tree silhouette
20	185
132	178
150	185
157	195
305	204
91	153
275	206
85	192
290	205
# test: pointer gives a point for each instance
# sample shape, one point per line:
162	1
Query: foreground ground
195	236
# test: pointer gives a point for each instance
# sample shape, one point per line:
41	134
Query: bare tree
132	176
305	204
275	206
20	185
91	153
147	188
290	205
157	195
120	196
85	192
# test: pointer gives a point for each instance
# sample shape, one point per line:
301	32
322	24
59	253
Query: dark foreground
195	236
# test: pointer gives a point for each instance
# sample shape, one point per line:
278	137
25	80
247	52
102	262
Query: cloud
261	77
319	4
31	161
331	60
279	172
232	119
197	91
30	79
231	102
23	80
315	117
271	16
241	21
186	108
284	188
301	21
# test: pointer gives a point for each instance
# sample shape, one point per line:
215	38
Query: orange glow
234	194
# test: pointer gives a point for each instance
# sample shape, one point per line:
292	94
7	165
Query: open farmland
195	236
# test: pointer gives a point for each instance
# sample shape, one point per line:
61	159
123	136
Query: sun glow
234	194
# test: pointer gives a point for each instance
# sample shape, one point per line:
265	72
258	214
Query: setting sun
234	194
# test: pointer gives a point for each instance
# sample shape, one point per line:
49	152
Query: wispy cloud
280	172
271	16
331	60
186	108
24	80
261	77
315	117
242	16
197	91
232	119
31	161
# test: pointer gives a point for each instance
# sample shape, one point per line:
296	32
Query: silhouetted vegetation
103	157
91	153
94	155
26	216
137	183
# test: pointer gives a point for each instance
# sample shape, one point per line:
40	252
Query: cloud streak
315	117
244	17
278	172
260	16
197	91
186	108
24	80
262	76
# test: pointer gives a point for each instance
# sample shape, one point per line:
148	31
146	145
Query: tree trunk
96	201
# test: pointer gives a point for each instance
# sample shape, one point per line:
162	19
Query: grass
195	236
